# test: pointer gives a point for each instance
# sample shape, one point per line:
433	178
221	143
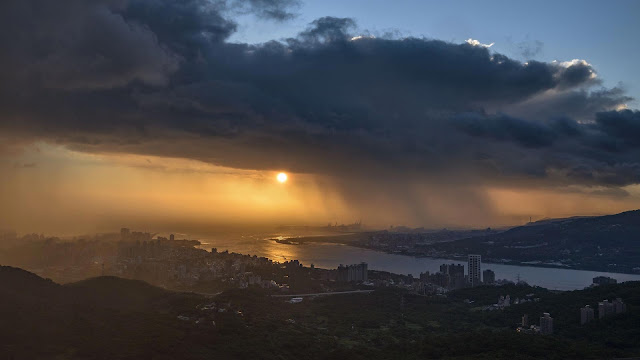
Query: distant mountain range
603	243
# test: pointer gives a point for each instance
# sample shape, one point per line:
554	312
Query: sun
282	177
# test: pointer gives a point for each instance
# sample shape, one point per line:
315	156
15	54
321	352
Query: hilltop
96	319
603	243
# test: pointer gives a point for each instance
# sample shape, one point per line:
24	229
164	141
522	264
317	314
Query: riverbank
358	240
329	253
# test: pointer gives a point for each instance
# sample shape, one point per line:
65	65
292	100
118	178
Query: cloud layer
159	77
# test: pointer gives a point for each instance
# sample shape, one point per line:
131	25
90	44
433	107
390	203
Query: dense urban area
357	311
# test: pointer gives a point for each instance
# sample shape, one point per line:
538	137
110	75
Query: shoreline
335	240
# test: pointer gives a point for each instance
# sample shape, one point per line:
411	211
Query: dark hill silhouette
114	292
112	318
100	318
20	288
605	243
13	278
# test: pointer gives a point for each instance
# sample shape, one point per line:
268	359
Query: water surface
329	256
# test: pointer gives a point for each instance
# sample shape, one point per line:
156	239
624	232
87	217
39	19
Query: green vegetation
112	318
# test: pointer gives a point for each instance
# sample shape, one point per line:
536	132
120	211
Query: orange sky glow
47	188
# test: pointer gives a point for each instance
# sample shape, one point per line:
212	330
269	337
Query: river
330	255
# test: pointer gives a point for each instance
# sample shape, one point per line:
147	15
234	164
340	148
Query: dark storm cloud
578	104
158	77
575	75
184	26
505	128
77	44
603	152
622	126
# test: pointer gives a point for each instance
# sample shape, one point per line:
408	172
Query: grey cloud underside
159	77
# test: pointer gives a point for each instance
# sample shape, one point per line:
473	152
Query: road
326	293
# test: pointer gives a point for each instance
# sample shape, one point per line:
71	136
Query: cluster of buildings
417	241
605	308
352	273
505	301
452	276
179	264
587	314
545	327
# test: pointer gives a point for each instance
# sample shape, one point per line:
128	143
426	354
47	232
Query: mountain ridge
602	243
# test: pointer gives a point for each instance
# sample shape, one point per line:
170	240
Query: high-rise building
475	276
546	324
364	271
525	321
452	269
605	308
586	314
488	276
619	306
453	275
172	237
440	279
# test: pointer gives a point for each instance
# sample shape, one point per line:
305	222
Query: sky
167	115
604	33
